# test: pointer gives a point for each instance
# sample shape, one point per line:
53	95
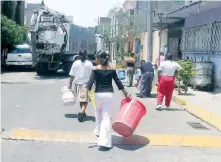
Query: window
20	50
131	23
202	38
131	12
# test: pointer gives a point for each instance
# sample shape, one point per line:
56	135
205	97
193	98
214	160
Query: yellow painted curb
179	100
200	112
88	137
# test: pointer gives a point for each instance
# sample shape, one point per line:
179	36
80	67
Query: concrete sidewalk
204	105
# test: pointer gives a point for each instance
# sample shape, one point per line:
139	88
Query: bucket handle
125	102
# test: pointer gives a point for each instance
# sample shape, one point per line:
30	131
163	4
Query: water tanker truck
56	43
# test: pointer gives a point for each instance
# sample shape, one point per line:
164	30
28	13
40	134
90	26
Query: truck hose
52	58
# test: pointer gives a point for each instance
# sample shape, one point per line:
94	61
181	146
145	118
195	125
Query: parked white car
20	56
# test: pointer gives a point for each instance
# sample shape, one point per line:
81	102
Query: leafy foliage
127	26
95	28
122	55
186	72
11	33
107	35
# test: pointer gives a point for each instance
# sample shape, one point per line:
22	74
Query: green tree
107	38
11	33
127	26
95	28
185	74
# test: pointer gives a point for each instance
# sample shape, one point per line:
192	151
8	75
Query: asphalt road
36	127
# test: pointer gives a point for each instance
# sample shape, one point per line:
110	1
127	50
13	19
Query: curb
198	111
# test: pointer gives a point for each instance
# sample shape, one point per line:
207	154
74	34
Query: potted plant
184	75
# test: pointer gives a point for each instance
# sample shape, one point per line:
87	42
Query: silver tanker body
56	43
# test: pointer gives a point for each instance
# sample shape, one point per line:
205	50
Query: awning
165	21
194	8
180	14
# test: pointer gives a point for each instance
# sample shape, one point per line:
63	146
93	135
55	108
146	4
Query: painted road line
200	112
88	137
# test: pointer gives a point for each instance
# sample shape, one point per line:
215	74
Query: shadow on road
171	109
153	95
131	143
187	94
87	118
59	75
16	70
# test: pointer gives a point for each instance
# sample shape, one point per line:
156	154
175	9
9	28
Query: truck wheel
52	72
41	68
38	69
67	67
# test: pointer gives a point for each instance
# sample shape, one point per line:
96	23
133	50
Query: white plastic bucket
67	96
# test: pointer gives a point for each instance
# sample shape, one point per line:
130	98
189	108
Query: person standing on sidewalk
146	79
80	73
166	79
157	64
130	62
162	59
102	75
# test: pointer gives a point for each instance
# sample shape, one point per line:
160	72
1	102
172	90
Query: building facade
201	36
140	9
104	24
29	10
70	19
194	32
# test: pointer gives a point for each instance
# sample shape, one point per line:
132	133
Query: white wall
156	43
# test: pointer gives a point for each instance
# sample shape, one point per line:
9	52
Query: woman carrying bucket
102	76
130	62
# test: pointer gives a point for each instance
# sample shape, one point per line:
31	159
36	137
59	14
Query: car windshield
20	50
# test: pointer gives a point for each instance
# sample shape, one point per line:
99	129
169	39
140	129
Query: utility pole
150	31
160	15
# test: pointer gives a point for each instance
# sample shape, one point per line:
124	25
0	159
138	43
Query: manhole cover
197	126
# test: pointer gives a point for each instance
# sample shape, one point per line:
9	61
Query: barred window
203	38
216	39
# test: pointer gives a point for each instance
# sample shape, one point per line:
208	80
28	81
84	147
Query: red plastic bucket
129	116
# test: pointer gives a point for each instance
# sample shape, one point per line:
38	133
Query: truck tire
67	67
41	68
